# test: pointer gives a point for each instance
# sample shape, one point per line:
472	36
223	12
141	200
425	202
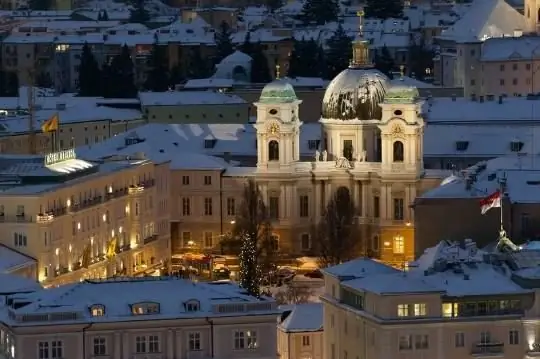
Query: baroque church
371	146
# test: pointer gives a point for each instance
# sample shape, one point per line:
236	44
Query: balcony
19	218
57	212
87	203
493	349
148	356
44	218
136	189
150	239
116	194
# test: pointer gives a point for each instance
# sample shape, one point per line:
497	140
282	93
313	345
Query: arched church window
538	15
398	151
273	151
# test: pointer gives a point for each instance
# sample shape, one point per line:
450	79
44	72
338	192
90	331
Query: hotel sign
57	157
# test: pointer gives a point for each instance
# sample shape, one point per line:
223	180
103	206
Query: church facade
371	145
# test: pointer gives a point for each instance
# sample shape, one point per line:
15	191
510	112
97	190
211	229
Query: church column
282	201
354	195
383	202
297	145
125	346
327	193
117	345
264	192
317	200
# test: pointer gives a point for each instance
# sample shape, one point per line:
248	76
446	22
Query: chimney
473	97
482	99
453	97
500	99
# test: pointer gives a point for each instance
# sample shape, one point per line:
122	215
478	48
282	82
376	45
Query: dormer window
97	310
145	308
192	306
462	145
516	146
210	143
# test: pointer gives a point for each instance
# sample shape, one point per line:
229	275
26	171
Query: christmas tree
250	271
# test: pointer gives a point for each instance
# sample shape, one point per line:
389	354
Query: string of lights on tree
250	271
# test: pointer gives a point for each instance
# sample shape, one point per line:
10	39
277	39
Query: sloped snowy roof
485	19
10	284
236	57
358	268
11	260
176	98
307	317
516	48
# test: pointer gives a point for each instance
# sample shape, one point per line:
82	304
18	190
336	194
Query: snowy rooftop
358	268
522	175
307	317
167	295
516	48
485	19
11	283
175	98
11	260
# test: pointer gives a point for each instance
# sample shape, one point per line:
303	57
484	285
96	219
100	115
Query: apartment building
86	220
300	332
455	301
154	317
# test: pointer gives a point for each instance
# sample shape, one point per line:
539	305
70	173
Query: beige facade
198	113
114	219
301	345
164	319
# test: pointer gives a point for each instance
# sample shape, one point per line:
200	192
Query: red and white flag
491	201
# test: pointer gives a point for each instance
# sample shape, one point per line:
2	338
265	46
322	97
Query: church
371	144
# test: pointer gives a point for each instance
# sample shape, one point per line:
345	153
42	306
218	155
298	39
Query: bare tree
335	236
253	230
293	294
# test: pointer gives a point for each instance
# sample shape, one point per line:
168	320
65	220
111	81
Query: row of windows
186	180
421	341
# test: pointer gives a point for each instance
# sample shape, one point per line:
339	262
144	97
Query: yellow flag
51	124
111	248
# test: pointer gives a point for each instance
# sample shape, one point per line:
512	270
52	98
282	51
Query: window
207	180
306	241
514	81
231	207
501	82
421	341
304	206
348	149
19	240
186	239
398	151
208	206
403	310
145	308
485	337
97	310
459	340
273	207
57	349
473	82
513	337
528	66
399	244
185	180
405	342
273	150
194	341
208	239
140	344
43	350
153	344
100	346
514	67
420	310
305	340
186	206
501	67
192	306
239	340
376	206
398	209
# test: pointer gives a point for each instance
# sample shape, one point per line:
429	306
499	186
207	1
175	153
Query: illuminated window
403	310
399	244
420	310
97	310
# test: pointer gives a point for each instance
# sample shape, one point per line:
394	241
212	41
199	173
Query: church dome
355	94
278	91
402	93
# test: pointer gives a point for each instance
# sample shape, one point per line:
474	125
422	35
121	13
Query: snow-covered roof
11	260
177	98
236	57
515	48
11	283
117	296
522	175
358	268
485	19
307	317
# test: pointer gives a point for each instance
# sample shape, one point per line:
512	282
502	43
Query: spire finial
360	13
277	71
402	71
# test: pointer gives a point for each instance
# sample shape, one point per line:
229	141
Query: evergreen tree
139	14
247	46
319	12
176	77
260	71
157	78
420	60
89	74
199	67
384	62
273	5
305	60
40	5
9	84
384	9
103	16
224	46
338	53
119	76
44	80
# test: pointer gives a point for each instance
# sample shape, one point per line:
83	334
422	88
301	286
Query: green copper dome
278	91
401	94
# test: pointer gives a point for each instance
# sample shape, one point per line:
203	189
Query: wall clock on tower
274	128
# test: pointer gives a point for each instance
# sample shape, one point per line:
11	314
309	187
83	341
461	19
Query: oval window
398	112
273	111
